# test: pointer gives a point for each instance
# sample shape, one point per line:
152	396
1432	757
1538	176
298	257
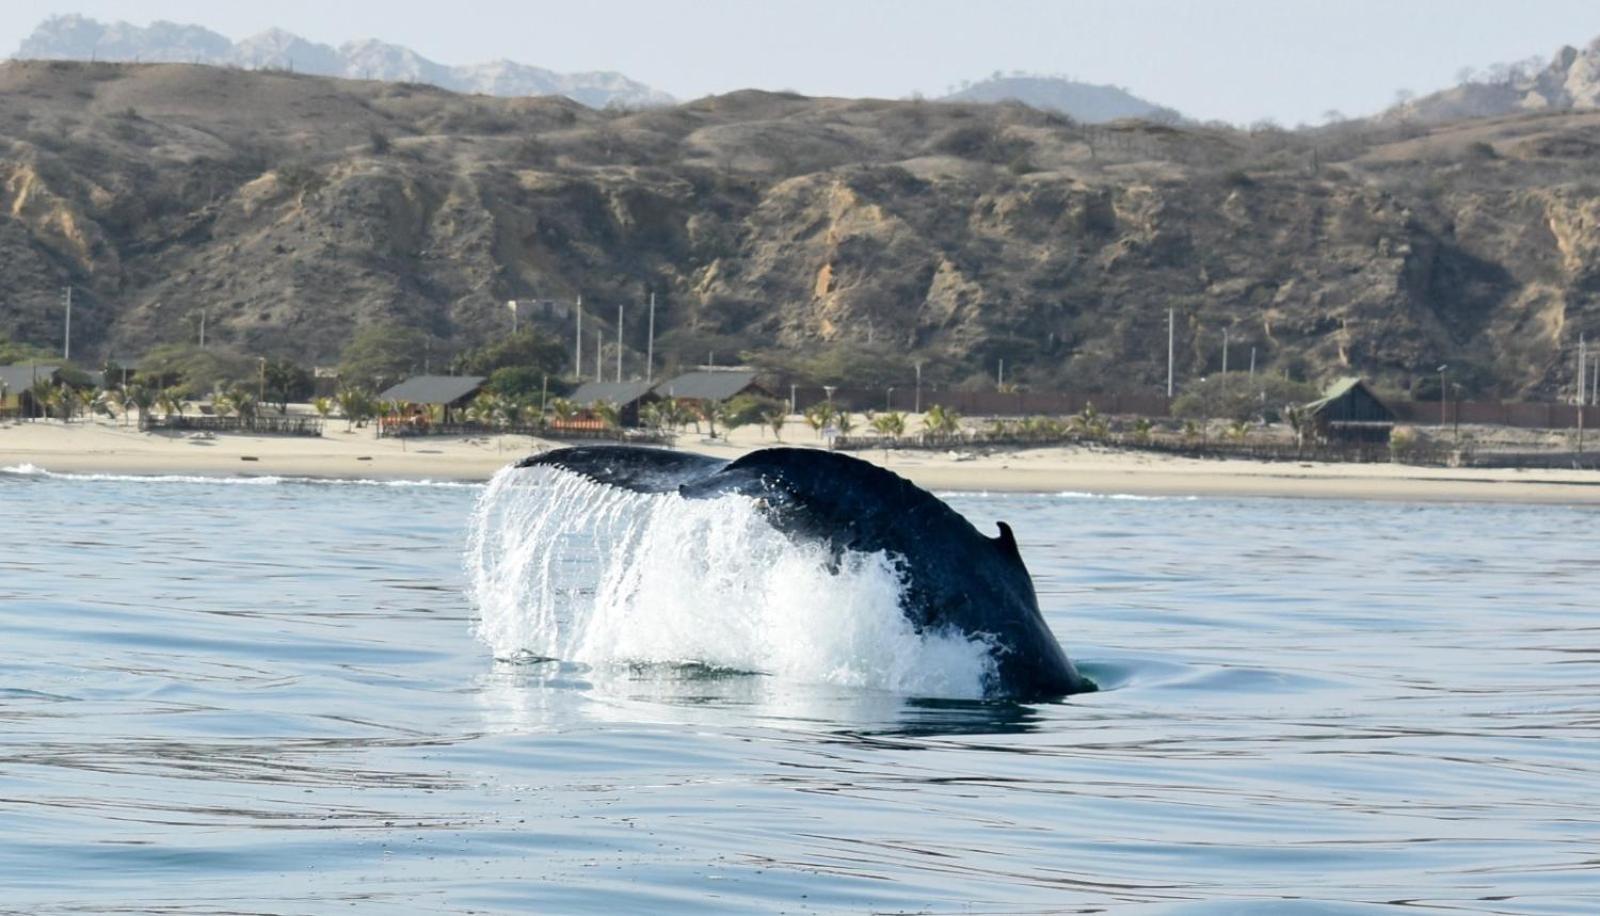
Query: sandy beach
103	446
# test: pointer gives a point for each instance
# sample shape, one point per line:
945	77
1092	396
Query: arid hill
295	209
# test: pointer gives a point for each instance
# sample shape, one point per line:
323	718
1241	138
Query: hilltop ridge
81	38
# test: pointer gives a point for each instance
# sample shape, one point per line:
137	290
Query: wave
561	567
268	480
1064	494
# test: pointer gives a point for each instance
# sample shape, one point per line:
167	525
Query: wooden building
711	385
1348	411
449	392
627	397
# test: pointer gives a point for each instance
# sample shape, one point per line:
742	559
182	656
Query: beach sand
106	447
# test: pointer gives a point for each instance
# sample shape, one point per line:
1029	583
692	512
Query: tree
355	404
750	409
891	424
711	412
563	409
1238	396
323	405
607	413
194	370
941	421
775	418
819	415
285	382
169	401
530	350
381	355
140	396
517	381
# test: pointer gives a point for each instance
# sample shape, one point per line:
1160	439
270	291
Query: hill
1569	81
838	237
84	39
1086	102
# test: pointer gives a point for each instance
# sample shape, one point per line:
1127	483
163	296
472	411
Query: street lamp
888	398
917	405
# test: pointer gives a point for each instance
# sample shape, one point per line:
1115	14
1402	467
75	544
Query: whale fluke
954	576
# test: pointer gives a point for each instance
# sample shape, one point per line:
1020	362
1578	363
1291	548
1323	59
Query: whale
954	577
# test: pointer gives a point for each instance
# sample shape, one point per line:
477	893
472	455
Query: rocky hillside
84	39
1570	80
293	210
1086	102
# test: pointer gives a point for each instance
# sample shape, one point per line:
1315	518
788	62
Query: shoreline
101	447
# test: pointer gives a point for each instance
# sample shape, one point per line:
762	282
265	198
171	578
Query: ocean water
281	696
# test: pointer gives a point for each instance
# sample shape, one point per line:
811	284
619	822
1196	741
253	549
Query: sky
1292	61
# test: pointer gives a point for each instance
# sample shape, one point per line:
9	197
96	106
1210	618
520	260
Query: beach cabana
451	392
710	385
1348	411
627	396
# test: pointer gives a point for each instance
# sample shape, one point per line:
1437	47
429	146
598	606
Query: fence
559	431
1522	415
260	426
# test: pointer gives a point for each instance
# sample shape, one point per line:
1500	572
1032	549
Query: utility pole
1224	351
577	350
917	407
1000	376
1583	365
599	352
512	305
66	346
1252	364
1169	354
1444	396
619	343
650	345
202	329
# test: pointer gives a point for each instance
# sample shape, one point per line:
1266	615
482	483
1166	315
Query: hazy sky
1238	60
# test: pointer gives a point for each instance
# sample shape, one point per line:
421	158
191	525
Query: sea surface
280	696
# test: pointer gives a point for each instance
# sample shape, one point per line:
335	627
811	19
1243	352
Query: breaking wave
561	567
265	480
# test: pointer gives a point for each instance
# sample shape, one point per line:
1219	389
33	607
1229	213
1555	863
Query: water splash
561	567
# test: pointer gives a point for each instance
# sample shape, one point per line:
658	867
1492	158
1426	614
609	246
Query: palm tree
712	411
775	418
653	415
1141	430
607	413
47	395
563	409
169	401
140	396
354	404
1090	423
942	422
483	408
891	424
819	415
323	405
844	422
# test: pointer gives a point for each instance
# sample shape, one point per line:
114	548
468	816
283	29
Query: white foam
561	567
267	480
